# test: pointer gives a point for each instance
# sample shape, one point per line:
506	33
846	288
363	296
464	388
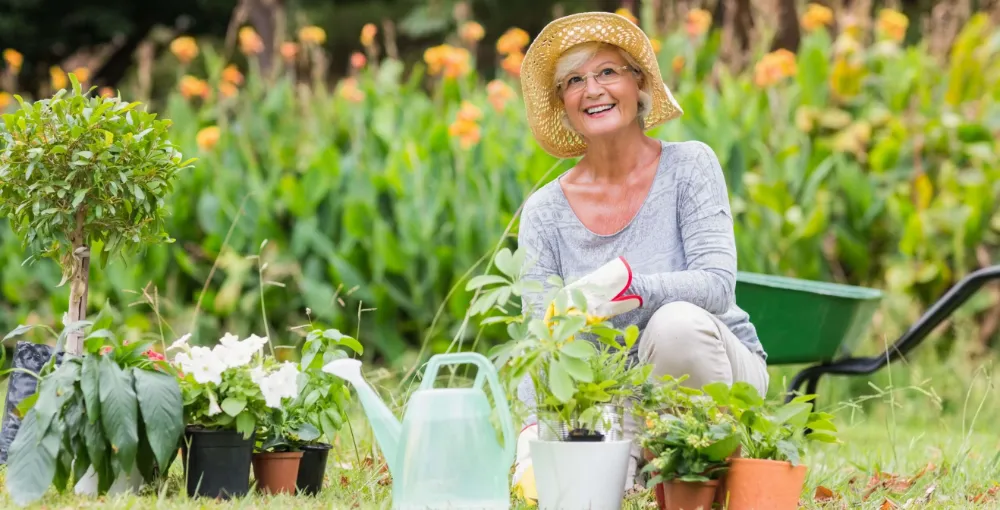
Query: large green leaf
577	368
90	385
119	412
560	382
162	409
31	464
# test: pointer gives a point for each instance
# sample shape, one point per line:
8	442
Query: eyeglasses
607	76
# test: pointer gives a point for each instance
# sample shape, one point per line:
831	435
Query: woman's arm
706	228
540	259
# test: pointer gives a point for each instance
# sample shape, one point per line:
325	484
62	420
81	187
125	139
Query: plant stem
80	258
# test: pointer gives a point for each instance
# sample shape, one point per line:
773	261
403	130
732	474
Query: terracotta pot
757	484
678	495
720	491
276	472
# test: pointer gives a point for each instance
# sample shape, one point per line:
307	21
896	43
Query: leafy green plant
78	172
115	408
686	432
323	398
770	430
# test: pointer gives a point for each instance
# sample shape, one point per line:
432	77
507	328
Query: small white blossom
213	405
283	383
180	343
204	365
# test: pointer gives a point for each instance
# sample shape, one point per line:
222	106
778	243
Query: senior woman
641	225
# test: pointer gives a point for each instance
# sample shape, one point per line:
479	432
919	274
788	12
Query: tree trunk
788	35
79	285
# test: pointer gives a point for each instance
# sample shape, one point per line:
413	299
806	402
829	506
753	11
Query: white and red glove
523	481
605	289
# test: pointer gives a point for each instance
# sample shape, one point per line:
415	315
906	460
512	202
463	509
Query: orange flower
5	100
816	16
498	93
349	90
58	77
231	74
289	50
106	92
656	44
469	112
208	137
193	87
13	59
184	48
471	32
358	60
627	14
512	41
250	41
82	74
677	64
312	35
467	132
368	34
774	67
227	89
698	22
448	60
512	64
892	24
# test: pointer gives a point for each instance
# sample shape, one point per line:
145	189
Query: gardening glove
605	289
524	473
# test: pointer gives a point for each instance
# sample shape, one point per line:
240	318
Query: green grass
898	430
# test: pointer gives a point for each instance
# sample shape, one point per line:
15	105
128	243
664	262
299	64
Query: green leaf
307	432
162	409
90	386
245	424
233	406
580	349
119	412
788	451
568	326
577	368
79	196
31	465
96	445
484	279
560	383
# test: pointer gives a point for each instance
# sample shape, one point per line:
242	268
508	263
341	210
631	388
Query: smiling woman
642	226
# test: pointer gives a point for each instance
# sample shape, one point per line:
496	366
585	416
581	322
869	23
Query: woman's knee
682	338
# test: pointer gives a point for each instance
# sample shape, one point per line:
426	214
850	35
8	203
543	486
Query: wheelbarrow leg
810	376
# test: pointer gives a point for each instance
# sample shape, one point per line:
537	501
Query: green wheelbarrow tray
805	321
821	323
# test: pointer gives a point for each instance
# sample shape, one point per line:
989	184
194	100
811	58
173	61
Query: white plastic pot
87	485
572	475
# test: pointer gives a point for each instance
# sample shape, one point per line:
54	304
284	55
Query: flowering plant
283	426
221	389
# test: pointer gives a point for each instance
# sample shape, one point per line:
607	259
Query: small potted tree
687	440
769	472
580	370
79	172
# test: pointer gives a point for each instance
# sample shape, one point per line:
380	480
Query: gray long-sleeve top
680	245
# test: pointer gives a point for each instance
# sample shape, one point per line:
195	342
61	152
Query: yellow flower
498	93
774	67
184	48
231	74
698	22
368	34
816	16
656	44
892	24
193	87
448	60
512	41
677	64
312	35
58	77
82	74
106	92
622	11
512	64
289	50
208	137
5	100
471	32
250	41
13	59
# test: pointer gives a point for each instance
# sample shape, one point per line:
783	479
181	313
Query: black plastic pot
585	436
312	468
217	463
31	357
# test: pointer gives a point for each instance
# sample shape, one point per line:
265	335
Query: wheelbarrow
821	323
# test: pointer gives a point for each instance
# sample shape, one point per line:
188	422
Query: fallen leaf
928	493
823	494
930	467
984	497
887	505
344	482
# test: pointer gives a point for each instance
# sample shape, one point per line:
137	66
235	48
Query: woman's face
596	109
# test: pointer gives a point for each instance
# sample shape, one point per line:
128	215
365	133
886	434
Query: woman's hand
605	289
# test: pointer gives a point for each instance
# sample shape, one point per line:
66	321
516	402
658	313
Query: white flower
213	405
204	365
235	353
283	383
180	343
257	374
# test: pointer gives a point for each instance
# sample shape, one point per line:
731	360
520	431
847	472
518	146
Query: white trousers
681	338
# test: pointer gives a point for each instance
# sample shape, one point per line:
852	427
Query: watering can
445	453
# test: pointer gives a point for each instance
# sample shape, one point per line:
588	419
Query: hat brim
543	106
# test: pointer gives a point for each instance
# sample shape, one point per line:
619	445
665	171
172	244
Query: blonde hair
580	54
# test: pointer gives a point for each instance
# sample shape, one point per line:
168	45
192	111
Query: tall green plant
79	171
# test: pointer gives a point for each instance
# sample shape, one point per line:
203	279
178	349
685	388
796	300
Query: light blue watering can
445	453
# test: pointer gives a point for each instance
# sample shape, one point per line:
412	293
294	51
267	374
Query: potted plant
769	473
322	402
104	421
686	440
582	377
223	405
77	171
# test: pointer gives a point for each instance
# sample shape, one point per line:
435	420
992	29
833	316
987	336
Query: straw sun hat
543	106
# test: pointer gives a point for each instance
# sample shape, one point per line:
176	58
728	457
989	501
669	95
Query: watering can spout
386	427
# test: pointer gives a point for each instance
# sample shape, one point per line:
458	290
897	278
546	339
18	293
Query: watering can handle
485	371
